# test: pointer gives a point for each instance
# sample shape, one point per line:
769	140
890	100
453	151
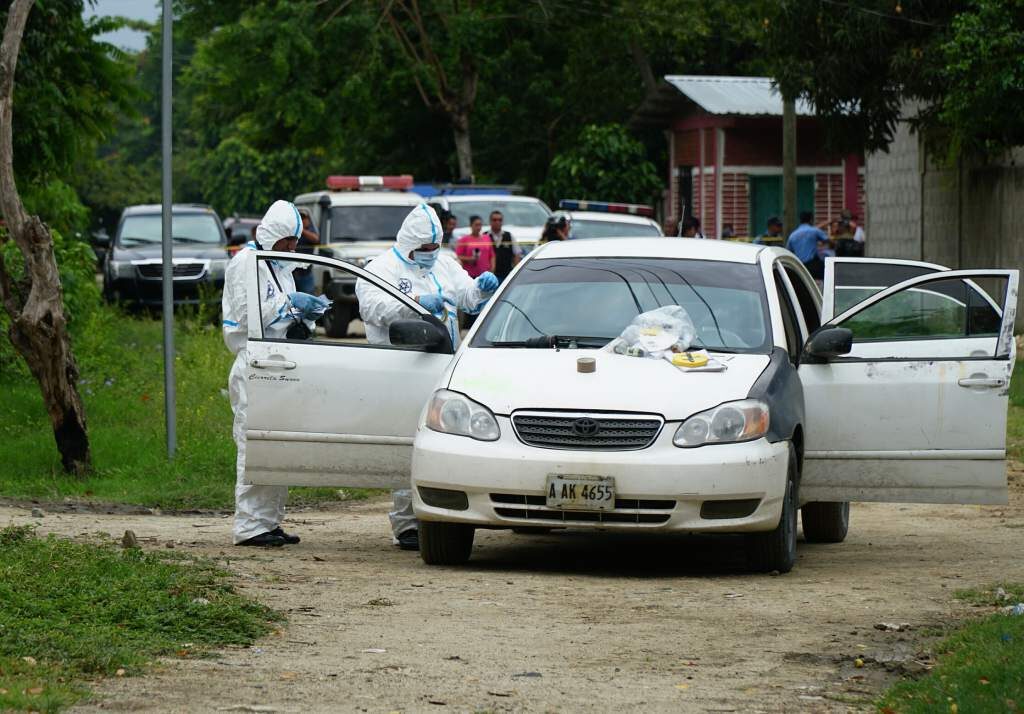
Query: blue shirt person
804	242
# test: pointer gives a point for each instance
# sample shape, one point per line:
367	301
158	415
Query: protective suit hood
281	220
420	226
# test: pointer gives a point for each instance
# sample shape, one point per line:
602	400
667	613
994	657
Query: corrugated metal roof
735	95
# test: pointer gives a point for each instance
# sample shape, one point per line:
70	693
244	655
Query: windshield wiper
554	342
187	239
139	240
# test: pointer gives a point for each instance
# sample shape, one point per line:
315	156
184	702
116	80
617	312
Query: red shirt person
476	251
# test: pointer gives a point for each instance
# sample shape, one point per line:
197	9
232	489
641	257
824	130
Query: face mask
425	258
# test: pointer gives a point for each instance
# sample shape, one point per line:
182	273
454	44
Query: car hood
506	380
180	251
348	250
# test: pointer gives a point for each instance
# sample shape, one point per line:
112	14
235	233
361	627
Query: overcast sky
148	10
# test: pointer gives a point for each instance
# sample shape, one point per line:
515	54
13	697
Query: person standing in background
804	243
308	239
475	250
507	250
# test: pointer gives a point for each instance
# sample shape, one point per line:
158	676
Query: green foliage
981	668
125	608
121	364
235	178
606	164
69	88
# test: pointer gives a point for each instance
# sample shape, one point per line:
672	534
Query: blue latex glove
487	282
309	305
434	303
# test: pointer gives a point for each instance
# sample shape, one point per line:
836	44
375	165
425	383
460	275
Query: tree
69	89
606	164
38	327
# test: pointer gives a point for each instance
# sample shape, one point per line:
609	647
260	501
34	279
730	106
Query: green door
766	199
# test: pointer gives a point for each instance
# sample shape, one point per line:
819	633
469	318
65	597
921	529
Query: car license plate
581	493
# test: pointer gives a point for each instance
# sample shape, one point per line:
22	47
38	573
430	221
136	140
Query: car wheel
776	549
445	543
336	321
825	522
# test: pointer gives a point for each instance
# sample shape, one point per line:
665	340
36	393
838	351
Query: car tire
775	551
336	320
825	522
445	543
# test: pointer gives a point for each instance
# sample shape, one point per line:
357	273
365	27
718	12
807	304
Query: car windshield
611	229
515	213
353	223
185	227
594	299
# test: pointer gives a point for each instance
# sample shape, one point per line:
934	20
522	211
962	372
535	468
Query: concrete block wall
893	186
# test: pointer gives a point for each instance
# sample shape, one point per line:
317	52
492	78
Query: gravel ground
571	620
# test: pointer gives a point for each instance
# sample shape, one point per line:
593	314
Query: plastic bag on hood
656	333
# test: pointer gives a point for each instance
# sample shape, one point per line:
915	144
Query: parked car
893	387
239	230
358	218
133	266
524	215
599	219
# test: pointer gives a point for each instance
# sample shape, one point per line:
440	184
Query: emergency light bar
354	183
603	207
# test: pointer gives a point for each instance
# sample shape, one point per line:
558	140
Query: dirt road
570	621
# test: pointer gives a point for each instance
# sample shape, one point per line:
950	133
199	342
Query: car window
356	223
857	281
789	322
185	227
611	229
283	322
940	309
808	308
515	213
596	298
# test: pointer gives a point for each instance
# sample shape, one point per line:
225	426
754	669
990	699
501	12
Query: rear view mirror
829	342
428	333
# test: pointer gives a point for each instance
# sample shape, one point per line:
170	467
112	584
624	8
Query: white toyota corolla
891	388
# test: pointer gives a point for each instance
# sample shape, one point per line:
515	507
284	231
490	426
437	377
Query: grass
980	669
120	359
1015	418
73	612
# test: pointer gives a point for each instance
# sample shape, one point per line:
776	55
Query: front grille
178	270
627	510
586	432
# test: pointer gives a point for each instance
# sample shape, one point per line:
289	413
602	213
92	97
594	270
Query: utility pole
167	236
789	217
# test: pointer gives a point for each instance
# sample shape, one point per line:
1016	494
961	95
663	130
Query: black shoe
409	540
266	540
289	539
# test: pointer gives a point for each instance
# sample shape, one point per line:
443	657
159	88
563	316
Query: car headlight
453	413
122	269
218	266
728	423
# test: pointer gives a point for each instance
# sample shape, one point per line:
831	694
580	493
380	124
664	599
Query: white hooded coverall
378	309
258	509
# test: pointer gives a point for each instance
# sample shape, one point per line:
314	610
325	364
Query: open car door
334	412
916	412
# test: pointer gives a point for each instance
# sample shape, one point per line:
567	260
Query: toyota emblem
585	426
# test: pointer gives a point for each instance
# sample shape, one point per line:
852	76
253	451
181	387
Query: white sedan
891	388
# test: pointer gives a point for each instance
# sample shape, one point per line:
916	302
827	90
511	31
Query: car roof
362	198
665	247
609	217
504	197
148	208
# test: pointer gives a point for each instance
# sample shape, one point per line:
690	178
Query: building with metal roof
725	154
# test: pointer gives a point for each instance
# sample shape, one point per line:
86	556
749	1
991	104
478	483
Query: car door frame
874	469
382	460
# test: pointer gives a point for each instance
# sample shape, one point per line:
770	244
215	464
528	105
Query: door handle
272	364
982	382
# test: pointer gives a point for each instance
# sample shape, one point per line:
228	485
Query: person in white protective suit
260	509
417	267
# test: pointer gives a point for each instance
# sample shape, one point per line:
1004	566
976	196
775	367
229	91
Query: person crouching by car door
416	266
259	510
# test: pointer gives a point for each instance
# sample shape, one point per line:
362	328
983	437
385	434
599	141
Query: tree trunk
463	148
38	328
789	202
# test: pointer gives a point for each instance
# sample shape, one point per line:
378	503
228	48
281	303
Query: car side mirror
827	343
428	333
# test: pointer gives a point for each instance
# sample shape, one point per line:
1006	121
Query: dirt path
572	621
